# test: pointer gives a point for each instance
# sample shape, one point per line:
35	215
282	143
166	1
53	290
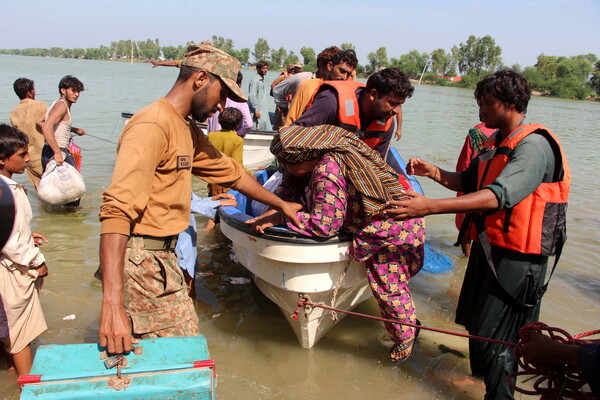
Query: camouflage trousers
156	296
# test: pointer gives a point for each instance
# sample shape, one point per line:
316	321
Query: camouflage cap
209	58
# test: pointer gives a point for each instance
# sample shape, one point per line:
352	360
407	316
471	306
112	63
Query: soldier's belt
155	243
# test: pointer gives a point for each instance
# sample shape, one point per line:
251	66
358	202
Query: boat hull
312	324
288	272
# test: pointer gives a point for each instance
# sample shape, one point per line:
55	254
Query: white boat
256	145
288	267
256	149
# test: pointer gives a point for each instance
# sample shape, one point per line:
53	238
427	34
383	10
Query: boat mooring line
99	138
559	378
305	304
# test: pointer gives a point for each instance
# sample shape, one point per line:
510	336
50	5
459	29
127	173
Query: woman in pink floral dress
348	186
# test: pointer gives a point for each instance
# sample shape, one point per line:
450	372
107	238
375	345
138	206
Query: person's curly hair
391	80
345	56
70	82
507	86
325	56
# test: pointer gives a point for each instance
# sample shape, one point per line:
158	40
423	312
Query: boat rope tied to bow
562	381
303	303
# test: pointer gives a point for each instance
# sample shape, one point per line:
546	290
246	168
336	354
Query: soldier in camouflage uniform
147	203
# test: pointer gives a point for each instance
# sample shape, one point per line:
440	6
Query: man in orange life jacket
516	191
367	110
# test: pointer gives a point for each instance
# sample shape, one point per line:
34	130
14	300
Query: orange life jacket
536	225
349	117
349	114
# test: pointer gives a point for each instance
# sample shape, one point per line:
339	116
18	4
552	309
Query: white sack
60	184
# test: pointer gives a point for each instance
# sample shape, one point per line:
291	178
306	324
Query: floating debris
237	281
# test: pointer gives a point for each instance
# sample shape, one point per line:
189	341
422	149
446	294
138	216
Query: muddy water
257	354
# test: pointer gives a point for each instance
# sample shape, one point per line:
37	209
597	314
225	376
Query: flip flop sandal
398	348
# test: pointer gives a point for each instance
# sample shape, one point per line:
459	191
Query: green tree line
576	77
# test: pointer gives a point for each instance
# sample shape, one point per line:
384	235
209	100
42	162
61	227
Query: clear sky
523	29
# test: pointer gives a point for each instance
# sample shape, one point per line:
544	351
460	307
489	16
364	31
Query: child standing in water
22	265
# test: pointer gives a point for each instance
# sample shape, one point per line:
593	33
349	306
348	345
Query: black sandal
399	347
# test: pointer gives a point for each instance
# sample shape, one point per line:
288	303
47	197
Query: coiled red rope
558	382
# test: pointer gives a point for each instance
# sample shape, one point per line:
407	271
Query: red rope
559	381
590	333
393	321
555	381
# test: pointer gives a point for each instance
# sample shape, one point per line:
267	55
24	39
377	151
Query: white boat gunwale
236	218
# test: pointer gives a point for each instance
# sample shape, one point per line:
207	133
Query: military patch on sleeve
184	162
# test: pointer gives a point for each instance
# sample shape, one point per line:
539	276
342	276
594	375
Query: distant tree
244	55
442	63
170	52
360	70
378	59
590	57
104	52
113	49
373	61
573	77
278	56
413	63
56	51
517	68
347	46
491	53
579	67
181	51
477	56
546	66
149	49
77	53
382	56
595	80
90	53
292	58
535	79
227	46
121	49
308	55
222	43
261	49
566	77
